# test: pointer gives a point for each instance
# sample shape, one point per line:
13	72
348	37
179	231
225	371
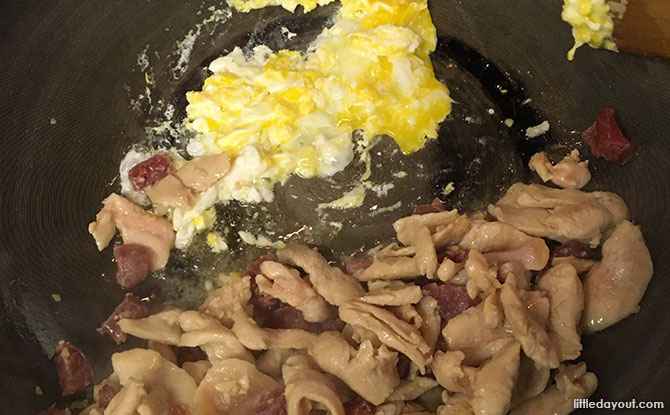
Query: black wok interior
70	107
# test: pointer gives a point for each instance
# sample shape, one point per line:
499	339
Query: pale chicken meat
450	371
371	372
532	256
493	236
254	337
495	381
271	361
150	368
169	193
526	327
425	256
162	327
431	321
202	172
400	408
181	189
390	268
582	265
392	294
448	269
572	382
308	388
198	370
468	333
127	400
285	284
216	340
452	233
560	214
224	302
532	381
482	278
569	173
234	386
566	298
406	227
137	227
410	389
390	330
330	282
614	287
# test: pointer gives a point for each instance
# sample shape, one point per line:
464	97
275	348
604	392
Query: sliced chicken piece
150	368
165	350
408	314
494	316
452	233
572	382
455	407
254	337
560	214
333	284
407	226
162	327
468	333
392	294
369	371
495	381
614	287
391	268
307	388
358	335
198	370
582	265
431	321
169	193
425	257
271	361
533	380
408	390
235	386
390	330
566	298
528	331
202	172
398	408
127	400
481	277
532	256
492	237
451	373
394	250
137	227
233	295
448	269
285	284
217	341
569	173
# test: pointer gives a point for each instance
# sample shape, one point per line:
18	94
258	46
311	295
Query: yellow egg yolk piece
369	72
591	24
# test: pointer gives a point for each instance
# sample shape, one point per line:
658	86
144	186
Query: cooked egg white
286	112
591	24
290	5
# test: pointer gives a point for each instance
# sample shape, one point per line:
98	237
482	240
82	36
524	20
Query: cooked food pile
279	113
591	24
478	313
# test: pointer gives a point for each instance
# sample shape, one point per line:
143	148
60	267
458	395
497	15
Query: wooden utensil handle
644	26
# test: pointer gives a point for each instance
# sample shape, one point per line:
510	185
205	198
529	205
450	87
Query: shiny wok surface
69	75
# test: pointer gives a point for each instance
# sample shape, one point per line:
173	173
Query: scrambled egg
591	24
290	5
287	112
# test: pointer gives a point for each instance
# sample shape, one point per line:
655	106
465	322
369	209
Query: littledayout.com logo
614	405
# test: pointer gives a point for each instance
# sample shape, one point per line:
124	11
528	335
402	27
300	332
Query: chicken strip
137	227
333	284
569	173
614	287
284	283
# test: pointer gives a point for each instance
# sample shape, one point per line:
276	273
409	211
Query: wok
73	94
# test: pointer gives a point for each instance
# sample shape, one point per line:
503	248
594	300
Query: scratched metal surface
74	99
